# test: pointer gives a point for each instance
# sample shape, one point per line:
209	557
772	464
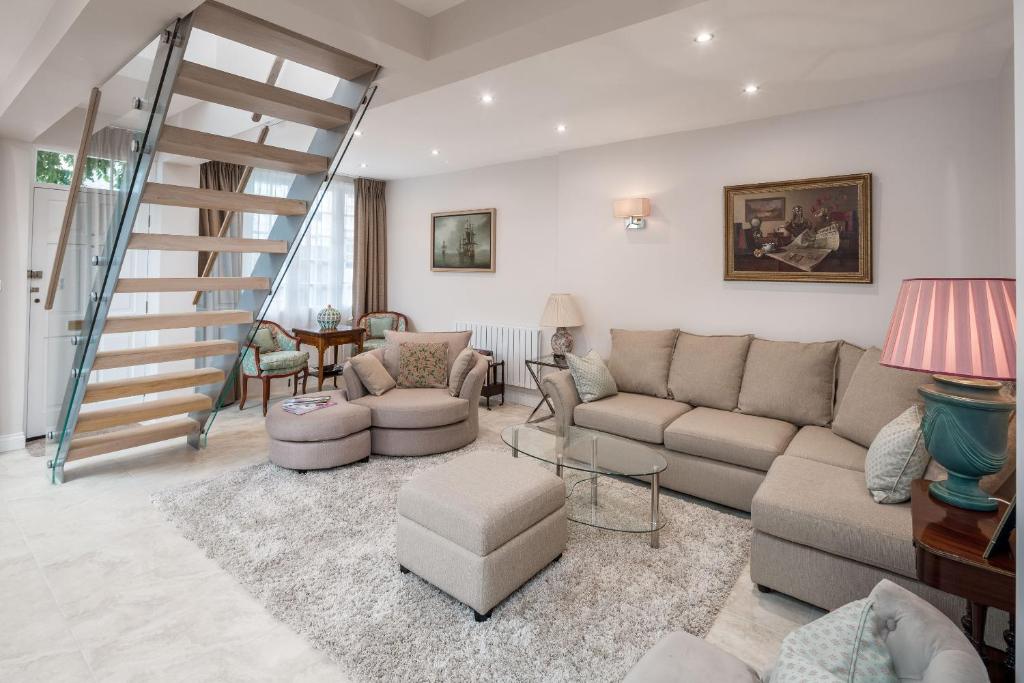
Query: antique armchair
272	353
376	324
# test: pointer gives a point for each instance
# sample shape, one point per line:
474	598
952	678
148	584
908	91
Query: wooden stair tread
151	384
220	87
164	353
108	442
240	27
159	242
221	200
194	143
102	418
130	285
170	321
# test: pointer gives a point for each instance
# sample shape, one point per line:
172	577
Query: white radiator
514	345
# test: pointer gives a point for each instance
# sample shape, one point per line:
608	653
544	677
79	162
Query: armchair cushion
464	362
456	342
415	408
372	374
264	340
283	360
423	366
681	658
379	324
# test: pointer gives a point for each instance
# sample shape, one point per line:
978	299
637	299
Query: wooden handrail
240	187
69	210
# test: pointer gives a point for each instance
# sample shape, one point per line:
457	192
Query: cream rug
318	550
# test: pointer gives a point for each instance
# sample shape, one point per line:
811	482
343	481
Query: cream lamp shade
561	311
628	208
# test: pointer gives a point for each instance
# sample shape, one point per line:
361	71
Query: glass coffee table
583	455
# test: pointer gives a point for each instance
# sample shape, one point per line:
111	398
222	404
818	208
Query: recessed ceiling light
751	89
487	98
358	133
435	152
362	165
560	128
704	37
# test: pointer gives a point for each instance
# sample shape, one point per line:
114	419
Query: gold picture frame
463	241
825	235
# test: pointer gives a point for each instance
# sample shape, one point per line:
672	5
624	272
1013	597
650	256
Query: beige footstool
329	437
481	526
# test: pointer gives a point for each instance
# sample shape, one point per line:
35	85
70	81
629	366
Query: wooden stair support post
240	27
220	87
275	73
133	285
240	245
108	442
69	209
173	321
151	384
164	353
103	418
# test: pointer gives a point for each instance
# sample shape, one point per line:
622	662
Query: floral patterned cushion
283	360
265	341
423	365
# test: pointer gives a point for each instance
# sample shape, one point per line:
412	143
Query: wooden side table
322	340
949	543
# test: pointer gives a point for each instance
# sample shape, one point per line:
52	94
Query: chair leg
245	391
295	389
305	376
266	394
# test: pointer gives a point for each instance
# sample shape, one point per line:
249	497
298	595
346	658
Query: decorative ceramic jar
328	318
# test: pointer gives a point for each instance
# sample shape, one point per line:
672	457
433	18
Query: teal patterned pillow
844	646
592	377
896	457
379	325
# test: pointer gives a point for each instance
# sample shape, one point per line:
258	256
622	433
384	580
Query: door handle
33	290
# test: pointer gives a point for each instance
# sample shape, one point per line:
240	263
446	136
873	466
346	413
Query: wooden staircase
104	428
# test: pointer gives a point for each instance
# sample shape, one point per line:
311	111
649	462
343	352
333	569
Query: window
321	272
56	168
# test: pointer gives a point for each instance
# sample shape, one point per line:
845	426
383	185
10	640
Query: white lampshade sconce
634	210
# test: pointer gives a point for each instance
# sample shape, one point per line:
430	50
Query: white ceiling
429	8
650	78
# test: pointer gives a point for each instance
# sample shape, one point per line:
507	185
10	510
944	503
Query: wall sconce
633	210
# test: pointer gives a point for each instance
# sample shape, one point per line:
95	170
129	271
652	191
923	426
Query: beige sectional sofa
779	429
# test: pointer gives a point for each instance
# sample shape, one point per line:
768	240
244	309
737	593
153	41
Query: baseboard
12	442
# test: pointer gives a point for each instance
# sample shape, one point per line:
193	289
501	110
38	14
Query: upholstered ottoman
481	526
329	437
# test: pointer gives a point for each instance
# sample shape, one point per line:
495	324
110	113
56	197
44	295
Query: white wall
940	209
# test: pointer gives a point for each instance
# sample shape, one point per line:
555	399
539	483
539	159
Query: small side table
949	543
494	384
322	340
536	369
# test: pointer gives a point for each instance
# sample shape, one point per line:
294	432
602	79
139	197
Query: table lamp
964	331
561	312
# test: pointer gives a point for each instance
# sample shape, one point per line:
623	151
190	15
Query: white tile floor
96	586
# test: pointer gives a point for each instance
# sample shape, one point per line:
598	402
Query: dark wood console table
949	543
322	340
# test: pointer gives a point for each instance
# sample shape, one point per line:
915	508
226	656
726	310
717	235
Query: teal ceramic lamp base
965	429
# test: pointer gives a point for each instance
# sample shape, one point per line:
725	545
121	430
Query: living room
693	264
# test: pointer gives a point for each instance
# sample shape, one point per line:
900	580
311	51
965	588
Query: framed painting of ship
463	241
812	230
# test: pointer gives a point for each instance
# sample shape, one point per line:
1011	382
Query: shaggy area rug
318	549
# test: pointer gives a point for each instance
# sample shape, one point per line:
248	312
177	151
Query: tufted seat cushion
283	360
415	408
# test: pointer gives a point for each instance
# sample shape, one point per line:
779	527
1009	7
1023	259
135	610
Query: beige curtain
217	175
370	271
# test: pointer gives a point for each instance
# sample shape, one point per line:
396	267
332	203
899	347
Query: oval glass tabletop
585	450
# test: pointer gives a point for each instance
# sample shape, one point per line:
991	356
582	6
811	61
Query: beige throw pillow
423	366
875	397
639	360
708	371
790	381
372	374
464	362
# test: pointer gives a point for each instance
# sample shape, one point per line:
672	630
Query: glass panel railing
108	201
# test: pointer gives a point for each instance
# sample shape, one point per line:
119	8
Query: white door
50	351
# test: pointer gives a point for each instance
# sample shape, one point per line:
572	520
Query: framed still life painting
813	230
463	241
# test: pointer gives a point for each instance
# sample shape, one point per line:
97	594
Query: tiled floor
95	585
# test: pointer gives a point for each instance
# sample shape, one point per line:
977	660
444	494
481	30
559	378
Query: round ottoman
329	437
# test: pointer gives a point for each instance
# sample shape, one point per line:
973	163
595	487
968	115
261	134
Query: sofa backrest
708	370
456	342
790	381
849	356
640	360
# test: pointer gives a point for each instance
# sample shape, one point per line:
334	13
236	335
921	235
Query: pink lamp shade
965	327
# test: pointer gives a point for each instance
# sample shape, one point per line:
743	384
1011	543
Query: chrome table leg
655	500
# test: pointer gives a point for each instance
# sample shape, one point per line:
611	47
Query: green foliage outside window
57	168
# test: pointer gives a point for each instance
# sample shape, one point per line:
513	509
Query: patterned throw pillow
264	340
423	366
896	457
592	377
846	645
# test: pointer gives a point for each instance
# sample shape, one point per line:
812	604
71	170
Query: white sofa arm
682	658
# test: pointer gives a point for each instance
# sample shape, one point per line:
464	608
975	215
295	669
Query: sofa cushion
821	444
849	356
790	381
735	438
633	416
708	371
481	501
456	342
830	509
875	397
640	359
415	408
